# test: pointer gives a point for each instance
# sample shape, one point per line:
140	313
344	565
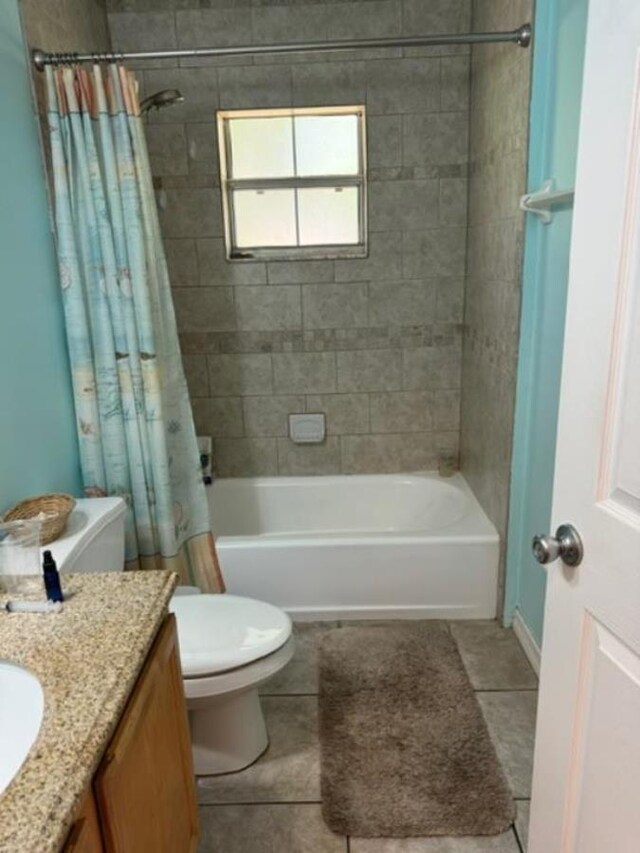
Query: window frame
228	185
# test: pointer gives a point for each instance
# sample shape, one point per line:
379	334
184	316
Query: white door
586	785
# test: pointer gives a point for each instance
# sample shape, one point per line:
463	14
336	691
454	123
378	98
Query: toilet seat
205	687
221	633
229	646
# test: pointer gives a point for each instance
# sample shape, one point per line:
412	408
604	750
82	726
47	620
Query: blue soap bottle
51	578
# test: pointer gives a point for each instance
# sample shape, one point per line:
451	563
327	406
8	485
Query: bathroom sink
21	709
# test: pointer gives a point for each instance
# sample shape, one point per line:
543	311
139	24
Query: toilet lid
221	632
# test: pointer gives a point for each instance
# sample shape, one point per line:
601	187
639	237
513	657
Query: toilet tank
94	538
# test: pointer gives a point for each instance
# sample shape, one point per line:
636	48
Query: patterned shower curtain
135	426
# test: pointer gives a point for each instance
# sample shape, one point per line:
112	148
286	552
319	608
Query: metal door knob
566	544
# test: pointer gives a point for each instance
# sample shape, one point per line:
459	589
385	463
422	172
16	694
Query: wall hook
544	200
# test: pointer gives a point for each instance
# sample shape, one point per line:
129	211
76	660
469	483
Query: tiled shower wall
61	25
498	161
376	344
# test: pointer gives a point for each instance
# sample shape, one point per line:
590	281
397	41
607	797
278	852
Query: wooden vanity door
85	835
145	786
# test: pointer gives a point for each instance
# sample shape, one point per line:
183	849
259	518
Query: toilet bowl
229	646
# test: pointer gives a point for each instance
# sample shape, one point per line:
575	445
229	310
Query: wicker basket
55	510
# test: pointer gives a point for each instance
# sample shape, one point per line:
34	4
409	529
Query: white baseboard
332	614
526	640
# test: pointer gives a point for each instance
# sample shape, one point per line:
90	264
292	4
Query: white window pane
264	218
328	216
327	145
261	147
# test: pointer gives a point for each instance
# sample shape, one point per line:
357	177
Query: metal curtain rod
521	36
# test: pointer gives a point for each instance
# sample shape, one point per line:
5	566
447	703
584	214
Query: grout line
301	287
243	417
287	695
505	689
278	449
517	838
367	289
235	329
273	391
196	252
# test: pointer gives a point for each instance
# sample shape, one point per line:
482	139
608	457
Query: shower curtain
134	420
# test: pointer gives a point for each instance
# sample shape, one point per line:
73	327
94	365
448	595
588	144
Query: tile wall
497	172
62	25
376	344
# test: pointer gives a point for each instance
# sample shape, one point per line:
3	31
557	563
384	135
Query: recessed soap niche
308	428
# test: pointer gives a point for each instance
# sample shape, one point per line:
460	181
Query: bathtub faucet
207	470
205	448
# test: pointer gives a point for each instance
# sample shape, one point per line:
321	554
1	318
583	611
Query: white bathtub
387	546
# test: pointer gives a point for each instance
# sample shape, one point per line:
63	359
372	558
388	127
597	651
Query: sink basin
21	709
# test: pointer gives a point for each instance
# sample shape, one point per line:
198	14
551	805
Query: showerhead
165	98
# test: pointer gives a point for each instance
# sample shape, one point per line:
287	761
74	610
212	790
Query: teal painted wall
38	449
560	28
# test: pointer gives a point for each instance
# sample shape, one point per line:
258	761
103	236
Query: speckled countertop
87	659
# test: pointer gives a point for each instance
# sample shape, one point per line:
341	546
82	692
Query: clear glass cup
20	571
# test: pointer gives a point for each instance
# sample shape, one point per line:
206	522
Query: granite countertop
87	658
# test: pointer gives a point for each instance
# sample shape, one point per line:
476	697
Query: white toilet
229	645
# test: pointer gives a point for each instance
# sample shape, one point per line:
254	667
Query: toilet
229	645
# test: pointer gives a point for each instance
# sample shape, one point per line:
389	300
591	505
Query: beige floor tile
267	829
290	768
272	807
522	822
511	718
374	623
505	843
301	673
493	656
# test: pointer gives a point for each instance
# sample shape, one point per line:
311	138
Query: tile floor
274	806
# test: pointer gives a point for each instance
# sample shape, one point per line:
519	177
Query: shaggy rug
404	747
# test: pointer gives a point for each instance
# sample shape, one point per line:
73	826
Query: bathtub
358	547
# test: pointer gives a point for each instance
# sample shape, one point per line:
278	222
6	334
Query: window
293	182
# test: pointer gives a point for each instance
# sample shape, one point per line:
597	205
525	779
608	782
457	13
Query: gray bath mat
404	747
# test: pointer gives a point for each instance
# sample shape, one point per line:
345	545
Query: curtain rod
521	36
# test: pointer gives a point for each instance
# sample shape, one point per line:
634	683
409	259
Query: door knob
566	544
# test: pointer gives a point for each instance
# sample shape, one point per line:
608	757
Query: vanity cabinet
85	835
144	788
